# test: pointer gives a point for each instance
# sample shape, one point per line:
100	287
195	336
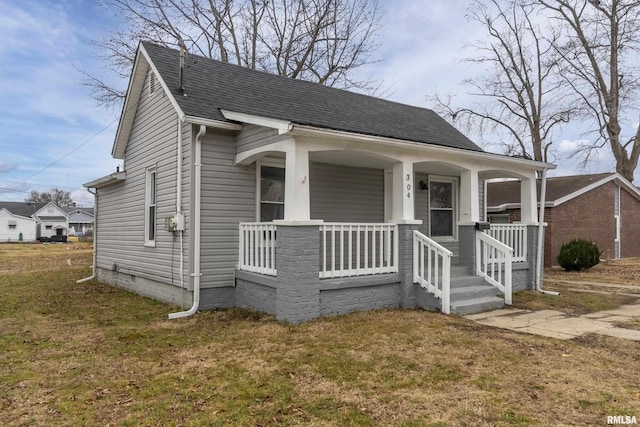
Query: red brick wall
589	217
629	225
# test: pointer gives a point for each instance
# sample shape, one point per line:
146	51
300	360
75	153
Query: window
48	227
442	202
498	218
150	208
12	226
271	193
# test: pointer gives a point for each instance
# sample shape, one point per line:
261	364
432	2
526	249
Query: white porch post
528	200
296	187
403	194
469	197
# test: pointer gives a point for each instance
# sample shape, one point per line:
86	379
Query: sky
53	133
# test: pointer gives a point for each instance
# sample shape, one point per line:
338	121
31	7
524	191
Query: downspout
95	238
179	212
539	260
196	228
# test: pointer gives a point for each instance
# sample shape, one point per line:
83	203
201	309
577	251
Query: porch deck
353	255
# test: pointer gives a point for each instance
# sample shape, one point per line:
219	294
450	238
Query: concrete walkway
555	324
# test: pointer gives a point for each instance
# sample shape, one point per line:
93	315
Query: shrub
578	255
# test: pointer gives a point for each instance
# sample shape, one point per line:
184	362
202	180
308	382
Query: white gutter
196	228
95	238
539	260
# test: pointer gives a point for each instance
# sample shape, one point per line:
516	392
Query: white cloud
7	167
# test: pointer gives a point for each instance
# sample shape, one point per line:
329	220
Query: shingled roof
508	192
212	85
25	209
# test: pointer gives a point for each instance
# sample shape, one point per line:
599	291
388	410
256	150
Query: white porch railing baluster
493	262
257	248
438	260
512	235
374	252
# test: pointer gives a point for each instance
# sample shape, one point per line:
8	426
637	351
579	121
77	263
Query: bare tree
599	63
59	197
520	102
324	41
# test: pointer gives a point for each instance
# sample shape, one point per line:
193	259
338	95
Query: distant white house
52	221
16	228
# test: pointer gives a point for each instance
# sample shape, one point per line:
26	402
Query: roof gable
56	211
212	86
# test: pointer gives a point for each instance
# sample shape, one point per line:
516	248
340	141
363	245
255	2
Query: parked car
44	239
58	239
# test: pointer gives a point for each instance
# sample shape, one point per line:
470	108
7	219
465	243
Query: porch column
296	185
403	194
528	201
469	197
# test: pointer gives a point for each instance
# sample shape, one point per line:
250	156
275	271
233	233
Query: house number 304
408	178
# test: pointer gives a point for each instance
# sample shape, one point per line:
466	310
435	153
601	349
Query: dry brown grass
624	271
90	354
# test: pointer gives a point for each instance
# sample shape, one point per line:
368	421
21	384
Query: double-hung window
150	207
271	193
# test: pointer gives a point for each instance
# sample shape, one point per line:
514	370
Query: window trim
272	163
149	192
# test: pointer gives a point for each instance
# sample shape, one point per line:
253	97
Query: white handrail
512	235
257	247
437	279
493	262
358	249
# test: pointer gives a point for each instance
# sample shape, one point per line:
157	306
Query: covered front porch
345	223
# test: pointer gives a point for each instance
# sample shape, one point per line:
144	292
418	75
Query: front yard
90	354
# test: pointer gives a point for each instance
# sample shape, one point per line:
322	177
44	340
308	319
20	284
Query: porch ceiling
351	158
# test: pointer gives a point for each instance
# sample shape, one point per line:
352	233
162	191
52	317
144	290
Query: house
52	220
242	188
48	219
602	208
80	220
16	228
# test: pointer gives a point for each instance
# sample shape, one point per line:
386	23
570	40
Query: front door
442	207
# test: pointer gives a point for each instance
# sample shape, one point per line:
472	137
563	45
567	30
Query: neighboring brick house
602	208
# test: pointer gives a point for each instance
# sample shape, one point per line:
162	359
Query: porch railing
512	235
432	268
493	262
257	247
357	249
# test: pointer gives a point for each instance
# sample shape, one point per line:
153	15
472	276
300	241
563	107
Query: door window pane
441	223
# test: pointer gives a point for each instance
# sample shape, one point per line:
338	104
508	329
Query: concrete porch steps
471	294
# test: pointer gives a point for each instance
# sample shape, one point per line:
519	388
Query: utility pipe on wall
196	228
539	260
95	238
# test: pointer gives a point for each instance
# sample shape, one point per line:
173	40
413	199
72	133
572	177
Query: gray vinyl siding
252	136
228	198
346	194
121	207
421	202
80	217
